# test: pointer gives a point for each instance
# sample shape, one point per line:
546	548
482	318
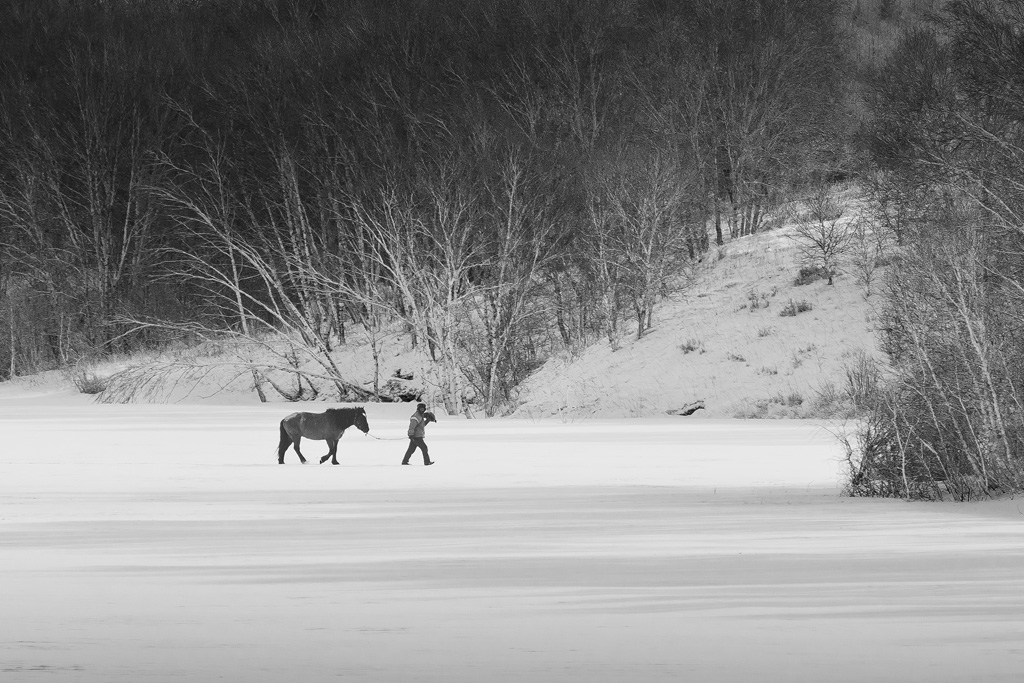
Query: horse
326	426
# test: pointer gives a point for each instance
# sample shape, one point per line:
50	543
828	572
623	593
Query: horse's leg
286	441
296	443
332	453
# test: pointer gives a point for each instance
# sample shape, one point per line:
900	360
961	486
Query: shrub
863	382
809	274
794	307
84	377
827	400
793	399
691	345
777	406
90	383
759	299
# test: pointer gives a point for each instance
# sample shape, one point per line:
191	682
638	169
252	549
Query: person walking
417	430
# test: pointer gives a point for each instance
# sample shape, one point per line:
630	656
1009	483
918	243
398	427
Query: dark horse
326	426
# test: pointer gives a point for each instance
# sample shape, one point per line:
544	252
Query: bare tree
824	234
423	249
767	98
650	231
83	221
869	249
246	282
518	243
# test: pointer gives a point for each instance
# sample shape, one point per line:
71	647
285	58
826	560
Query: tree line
945	145
497	179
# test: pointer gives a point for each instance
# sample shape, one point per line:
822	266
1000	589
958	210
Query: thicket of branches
497	178
947	145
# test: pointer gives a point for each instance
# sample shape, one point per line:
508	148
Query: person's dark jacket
418	424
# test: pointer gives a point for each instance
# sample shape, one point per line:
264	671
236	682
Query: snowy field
164	543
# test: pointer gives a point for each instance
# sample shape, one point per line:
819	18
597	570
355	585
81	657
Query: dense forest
498	177
499	180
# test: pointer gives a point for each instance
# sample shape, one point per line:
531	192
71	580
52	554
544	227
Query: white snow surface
165	543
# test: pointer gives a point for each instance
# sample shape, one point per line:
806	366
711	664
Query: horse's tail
284	443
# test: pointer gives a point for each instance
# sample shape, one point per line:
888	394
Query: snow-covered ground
723	341
568	543
164	543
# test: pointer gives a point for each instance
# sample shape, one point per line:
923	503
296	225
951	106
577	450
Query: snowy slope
722	342
747	360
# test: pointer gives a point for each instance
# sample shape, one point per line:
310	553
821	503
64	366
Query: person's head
421	407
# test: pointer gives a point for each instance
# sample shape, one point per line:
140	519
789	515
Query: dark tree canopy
500	177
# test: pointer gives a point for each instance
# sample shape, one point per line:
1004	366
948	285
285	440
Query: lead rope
382	438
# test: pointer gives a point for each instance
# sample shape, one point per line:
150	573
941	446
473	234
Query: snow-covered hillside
725	343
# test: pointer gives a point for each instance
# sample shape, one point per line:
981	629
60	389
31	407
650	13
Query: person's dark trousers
414	443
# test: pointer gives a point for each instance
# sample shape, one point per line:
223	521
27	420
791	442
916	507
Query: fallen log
688	409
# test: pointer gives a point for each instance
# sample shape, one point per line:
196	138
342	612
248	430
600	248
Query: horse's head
360	421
